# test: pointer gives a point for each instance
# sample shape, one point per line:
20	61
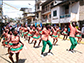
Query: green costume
40	32
3	38
22	34
55	36
29	34
44	45
36	37
64	32
78	35
15	49
73	42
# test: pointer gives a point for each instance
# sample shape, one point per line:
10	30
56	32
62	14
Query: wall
81	11
56	18
74	8
62	10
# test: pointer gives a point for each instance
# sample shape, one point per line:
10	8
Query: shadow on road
75	51
37	46
21	61
45	54
5	59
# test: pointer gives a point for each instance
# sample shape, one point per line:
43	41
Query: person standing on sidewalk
73	31
45	40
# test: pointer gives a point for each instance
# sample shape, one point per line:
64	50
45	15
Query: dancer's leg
44	46
17	57
10	57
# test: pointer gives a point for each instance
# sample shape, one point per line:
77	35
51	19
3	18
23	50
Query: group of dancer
12	40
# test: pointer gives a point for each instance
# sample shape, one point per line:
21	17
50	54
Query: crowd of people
11	38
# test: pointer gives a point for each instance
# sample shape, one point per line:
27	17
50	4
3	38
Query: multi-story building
38	9
1	12
67	11
46	10
28	16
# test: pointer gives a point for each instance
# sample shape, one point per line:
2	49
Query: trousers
45	43
73	42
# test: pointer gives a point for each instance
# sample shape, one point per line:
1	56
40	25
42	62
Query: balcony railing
43	11
66	15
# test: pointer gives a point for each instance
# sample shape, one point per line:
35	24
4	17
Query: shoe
42	55
50	54
71	51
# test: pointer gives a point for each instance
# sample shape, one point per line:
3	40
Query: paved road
60	55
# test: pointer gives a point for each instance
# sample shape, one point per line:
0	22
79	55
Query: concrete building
67	11
1	10
38	9
28	15
1	15
46	10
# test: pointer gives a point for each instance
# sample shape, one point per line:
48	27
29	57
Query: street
32	55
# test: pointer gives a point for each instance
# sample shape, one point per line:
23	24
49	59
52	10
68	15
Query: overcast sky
11	12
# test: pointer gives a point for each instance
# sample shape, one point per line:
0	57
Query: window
38	6
55	13
37	15
46	17
52	4
49	15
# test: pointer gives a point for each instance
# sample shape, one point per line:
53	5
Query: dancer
15	46
30	35
79	36
6	40
25	32
65	33
73	30
21	31
40	33
58	31
54	36
45	41
36	37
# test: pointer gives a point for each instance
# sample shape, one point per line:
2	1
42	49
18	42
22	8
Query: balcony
65	18
66	15
45	11
46	20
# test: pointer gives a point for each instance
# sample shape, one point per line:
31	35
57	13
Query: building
1	15
67	11
31	18
38	9
46	10
1	10
28	15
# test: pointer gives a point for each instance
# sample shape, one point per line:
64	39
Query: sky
13	13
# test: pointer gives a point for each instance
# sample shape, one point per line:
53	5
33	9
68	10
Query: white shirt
82	30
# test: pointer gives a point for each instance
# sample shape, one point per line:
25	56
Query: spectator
17	28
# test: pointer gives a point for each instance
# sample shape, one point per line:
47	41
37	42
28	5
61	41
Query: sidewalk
60	53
